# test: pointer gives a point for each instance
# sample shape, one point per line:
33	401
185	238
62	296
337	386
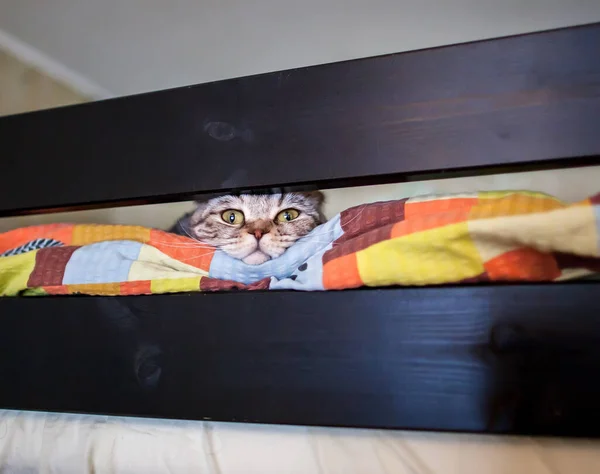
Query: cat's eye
233	217
287	215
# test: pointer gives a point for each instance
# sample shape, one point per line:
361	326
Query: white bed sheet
51	443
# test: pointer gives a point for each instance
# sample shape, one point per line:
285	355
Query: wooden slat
502	359
523	99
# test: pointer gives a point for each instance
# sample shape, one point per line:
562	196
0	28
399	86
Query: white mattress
49	443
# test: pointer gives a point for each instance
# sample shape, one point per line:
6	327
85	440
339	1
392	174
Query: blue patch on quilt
103	262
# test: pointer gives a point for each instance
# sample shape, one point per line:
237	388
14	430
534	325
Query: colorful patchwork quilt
428	240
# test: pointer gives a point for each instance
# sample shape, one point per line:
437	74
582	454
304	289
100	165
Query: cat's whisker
319	245
316	234
187	232
359	213
178	242
182	244
310	238
194	257
307	242
320	238
177	239
197	255
183	249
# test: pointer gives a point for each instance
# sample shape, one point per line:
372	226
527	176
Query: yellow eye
233	217
287	215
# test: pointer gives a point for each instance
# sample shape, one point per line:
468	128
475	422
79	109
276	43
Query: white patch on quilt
308	276
152	264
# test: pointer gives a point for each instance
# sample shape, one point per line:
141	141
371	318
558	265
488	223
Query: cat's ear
316	197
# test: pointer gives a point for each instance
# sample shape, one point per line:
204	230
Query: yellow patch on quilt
503	194
15	271
101	289
90	234
513	204
152	264
176	285
435	256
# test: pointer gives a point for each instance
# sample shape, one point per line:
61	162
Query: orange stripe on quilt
140	287
57	290
430	221
523	264
15	238
341	273
414	209
90	234
514	204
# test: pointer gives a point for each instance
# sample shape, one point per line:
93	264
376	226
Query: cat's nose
258	234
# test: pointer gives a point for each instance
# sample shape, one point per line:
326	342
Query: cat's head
256	228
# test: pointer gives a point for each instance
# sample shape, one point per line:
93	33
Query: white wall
23	89
131	46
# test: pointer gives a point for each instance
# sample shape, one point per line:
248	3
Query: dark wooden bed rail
500	358
513	101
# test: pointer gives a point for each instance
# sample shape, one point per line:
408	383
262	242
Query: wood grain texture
510	101
498	359
501	359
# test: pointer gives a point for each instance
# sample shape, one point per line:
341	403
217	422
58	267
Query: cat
253	228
